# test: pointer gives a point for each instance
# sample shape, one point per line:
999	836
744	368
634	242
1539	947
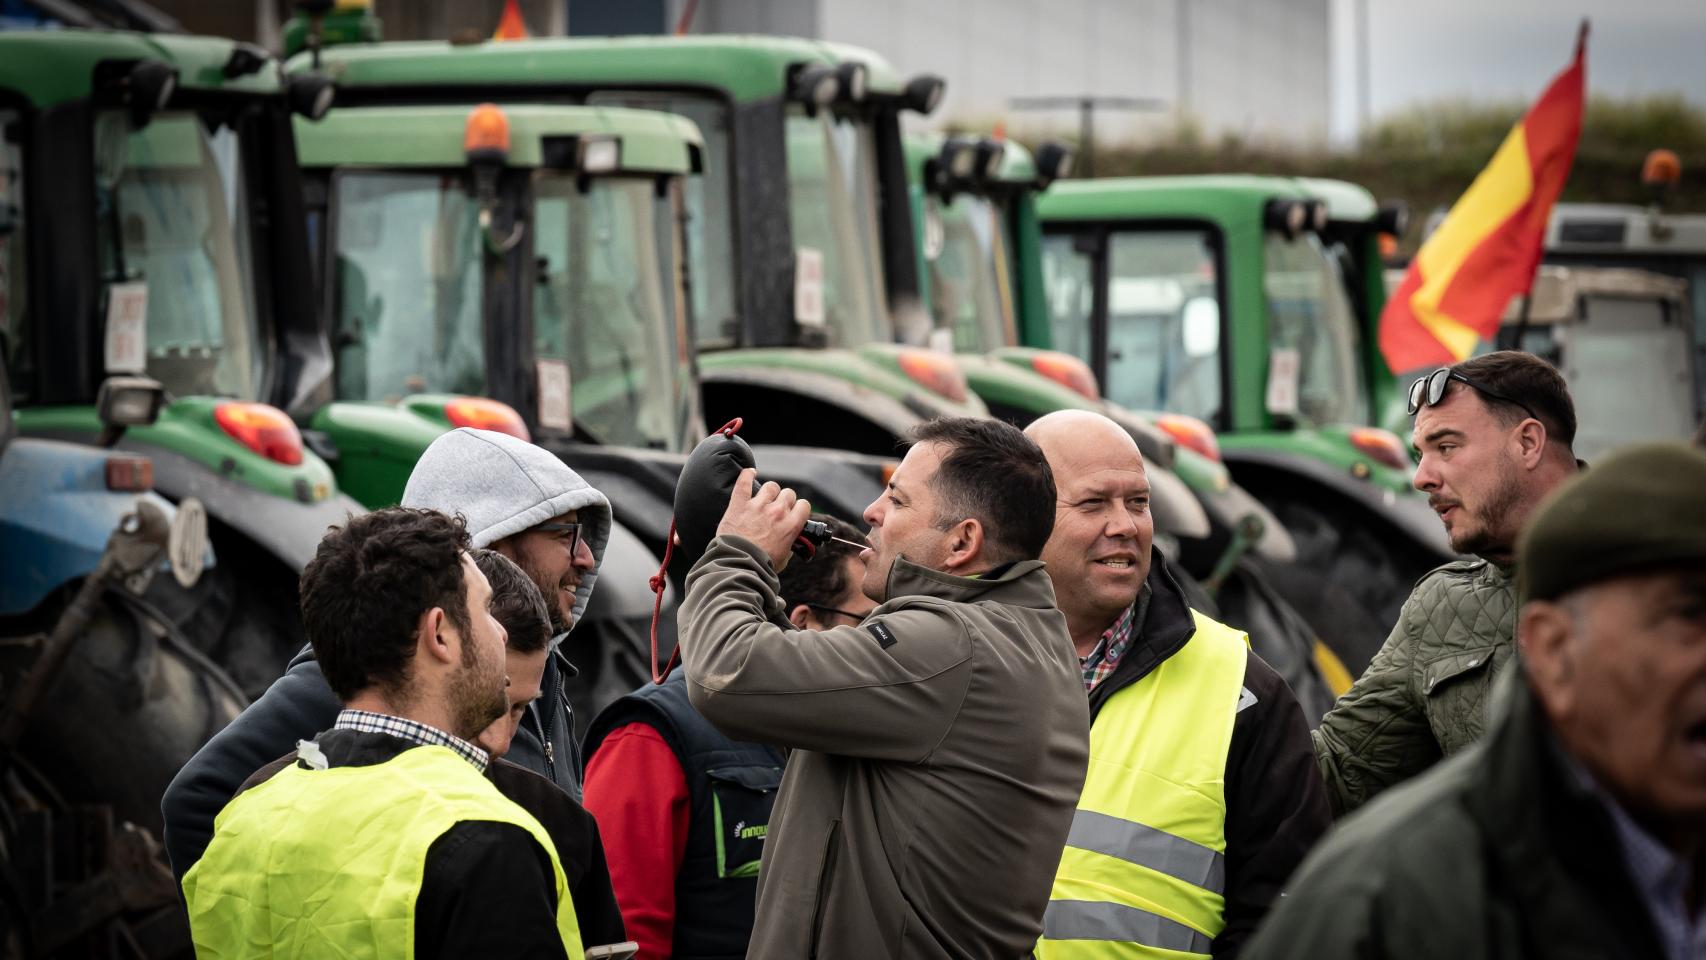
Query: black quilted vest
732	786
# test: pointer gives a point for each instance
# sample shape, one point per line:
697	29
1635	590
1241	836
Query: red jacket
638	793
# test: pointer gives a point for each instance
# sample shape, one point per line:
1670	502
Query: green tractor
1248	303
514	269
546	240
149	205
792	266
980	256
543	240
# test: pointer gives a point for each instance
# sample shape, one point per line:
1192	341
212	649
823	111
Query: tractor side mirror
127	402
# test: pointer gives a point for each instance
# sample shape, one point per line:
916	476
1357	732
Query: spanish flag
1489	245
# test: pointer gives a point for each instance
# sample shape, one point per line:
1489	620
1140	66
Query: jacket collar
1552	840
1023	584
1167	627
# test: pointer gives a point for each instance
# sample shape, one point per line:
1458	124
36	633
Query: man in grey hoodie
517	499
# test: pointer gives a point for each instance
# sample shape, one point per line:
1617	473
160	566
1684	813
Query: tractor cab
151	224
1226	298
792	269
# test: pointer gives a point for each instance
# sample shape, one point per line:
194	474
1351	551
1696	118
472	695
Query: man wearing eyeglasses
1493	434
684	809
517	499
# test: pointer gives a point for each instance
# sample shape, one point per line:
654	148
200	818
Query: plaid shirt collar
1116	640
367	722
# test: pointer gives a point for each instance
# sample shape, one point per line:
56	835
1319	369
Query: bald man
1202	794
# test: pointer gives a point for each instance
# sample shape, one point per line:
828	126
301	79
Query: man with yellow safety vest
384	838
1202	793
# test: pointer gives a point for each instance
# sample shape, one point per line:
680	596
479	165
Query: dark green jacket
1497	853
1424	695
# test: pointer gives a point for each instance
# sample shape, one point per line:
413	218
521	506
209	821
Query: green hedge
1429	154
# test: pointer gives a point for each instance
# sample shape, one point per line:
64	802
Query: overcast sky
1510	49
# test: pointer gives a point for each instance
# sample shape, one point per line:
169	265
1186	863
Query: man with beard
1494	435
938	746
517	499
385	827
1577	827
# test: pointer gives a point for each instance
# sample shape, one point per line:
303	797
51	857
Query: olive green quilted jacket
1424	695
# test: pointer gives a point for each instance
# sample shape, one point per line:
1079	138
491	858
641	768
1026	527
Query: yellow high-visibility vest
328	863
1144	870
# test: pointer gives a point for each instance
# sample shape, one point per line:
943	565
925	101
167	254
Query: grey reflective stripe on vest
1146	846
1096	920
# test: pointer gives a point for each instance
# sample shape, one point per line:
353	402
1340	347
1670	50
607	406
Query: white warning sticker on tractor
555	411
1284	366
808	286
127	327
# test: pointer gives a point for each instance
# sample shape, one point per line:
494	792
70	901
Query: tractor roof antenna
315	11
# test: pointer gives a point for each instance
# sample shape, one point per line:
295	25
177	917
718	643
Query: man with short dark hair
518	499
1494	435
686	807
938	747
386	826
1577	828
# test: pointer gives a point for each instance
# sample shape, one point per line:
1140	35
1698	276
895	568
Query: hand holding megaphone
768	515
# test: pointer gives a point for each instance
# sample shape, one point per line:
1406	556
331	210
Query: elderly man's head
1613	630
1098	555
970	495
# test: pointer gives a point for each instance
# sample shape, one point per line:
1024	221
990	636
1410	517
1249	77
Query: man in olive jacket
939	746
1575	829
1494	434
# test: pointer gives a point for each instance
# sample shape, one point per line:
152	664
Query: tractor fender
1227	508
1408	516
623	591
1175	508
56	517
894	415
289	530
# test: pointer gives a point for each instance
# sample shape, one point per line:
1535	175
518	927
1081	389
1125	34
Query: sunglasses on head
1430	390
571	529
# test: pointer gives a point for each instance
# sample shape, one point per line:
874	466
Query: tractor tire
132	703
243	613
1352	573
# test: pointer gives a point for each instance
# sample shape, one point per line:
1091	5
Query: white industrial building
1256	68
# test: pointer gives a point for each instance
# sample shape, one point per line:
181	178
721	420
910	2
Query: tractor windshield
970	272
408	286
1310	316
832	207
1163	330
609	304
710	220
172	227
